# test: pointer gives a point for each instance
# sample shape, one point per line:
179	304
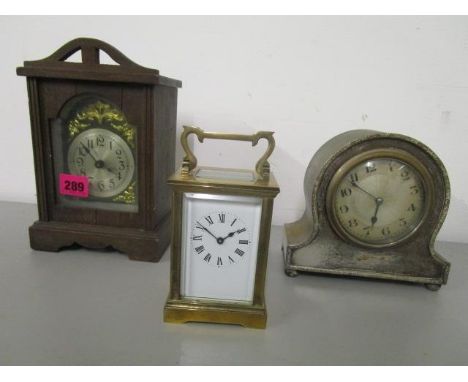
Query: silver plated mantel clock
374	205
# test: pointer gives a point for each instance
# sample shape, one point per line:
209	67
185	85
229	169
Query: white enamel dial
220	239
219	249
380	201
105	158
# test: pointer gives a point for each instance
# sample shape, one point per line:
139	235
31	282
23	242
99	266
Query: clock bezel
378	153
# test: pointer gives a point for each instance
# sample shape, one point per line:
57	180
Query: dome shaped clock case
374	205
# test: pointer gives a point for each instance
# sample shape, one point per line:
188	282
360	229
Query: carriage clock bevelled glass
104	144
221	222
374	205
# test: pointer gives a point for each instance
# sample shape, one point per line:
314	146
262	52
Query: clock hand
378	203
111	170
88	151
98	163
219	240
354	184
231	234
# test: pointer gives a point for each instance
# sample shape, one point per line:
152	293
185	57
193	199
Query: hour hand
111	170
231	234
378	203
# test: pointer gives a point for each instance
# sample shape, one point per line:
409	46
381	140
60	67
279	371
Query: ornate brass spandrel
262	168
127	196
102	113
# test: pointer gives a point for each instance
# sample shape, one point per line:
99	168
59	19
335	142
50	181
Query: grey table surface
81	307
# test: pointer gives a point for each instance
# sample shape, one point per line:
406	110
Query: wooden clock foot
136	243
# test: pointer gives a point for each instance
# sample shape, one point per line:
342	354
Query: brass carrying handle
262	168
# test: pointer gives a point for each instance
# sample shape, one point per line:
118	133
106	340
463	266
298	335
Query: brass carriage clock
374	205
220	234
104	143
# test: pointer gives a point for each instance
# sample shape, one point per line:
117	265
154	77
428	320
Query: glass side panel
228	174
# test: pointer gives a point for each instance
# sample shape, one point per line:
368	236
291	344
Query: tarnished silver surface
312	245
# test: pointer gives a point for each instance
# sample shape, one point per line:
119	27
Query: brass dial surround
374	154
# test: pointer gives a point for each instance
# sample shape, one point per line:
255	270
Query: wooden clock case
149	102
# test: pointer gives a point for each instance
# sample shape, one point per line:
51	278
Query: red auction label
74	185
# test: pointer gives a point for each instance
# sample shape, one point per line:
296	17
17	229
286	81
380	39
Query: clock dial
220	246
220	239
105	158
380	201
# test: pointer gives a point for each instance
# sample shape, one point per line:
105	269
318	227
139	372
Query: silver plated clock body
374	205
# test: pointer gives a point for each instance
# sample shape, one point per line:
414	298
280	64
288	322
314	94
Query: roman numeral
231	260
199	226
233	222
222	217
209	220
219	262
241	230
243	242
200	249
207	258
196	238
240	252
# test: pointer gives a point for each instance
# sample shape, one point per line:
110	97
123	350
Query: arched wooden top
90	48
125	70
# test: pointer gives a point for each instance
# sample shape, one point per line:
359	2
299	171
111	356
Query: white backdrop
306	78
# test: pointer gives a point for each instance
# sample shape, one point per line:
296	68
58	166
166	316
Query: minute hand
207	230
354	184
89	152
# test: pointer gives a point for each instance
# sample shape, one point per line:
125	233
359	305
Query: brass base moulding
178	311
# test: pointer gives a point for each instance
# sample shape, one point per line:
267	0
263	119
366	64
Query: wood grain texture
148	105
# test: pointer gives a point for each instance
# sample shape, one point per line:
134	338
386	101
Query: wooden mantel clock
104	144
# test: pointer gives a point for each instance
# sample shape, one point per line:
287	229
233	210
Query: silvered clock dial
378	199
105	158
